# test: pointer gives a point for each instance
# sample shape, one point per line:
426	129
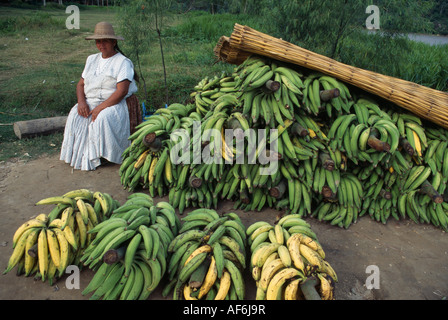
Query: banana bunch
424	205
287	261
47	244
130	250
116	282
325	93
271	91
344	206
436	156
413	135
208	257
209	89
366	135
202	196
150	143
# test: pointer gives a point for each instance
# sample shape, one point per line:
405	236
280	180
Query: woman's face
106	47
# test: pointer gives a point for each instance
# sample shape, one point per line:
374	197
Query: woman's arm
115	98
83	107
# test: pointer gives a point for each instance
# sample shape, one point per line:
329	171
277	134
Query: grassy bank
42	62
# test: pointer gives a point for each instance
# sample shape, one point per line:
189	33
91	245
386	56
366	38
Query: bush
398	57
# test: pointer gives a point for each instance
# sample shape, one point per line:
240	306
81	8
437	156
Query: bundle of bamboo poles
224	52
425	102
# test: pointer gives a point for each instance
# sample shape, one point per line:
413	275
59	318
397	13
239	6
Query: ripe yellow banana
224	286
188	292
325	288
210	278
284	255
279	235
83	210
70	236
19	250
53	248
268	271
308	241
312	257
293	245
417	143
328	269
274	289
42	253
82	229
33	223
30	260
292	289
204	248
64	249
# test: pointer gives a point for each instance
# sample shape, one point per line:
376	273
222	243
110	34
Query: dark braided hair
136	78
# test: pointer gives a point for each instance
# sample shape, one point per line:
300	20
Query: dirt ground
411	260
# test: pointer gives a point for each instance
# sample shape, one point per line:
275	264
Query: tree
322	25
140	20
134	28
157	11
403	16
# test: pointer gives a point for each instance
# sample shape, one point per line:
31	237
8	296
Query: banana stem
327	193
407	147
377	144
429	190
385	194
244	197
114	255
269	155
149	139
327	95
279	190
296	128
234	124
156	145
309	289
194	181
272	86
33	251
327	162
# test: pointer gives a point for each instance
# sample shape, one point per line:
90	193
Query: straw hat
104	30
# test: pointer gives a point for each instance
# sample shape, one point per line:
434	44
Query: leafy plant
133	24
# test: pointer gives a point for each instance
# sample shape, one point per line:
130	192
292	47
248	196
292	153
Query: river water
429	39
426	38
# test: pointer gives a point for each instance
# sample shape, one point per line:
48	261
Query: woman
98	125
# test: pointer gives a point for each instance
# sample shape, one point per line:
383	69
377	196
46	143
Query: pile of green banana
208	258
129	252
46	245
288	262
340	152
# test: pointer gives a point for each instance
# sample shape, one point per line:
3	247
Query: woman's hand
116	97
83	109
96	111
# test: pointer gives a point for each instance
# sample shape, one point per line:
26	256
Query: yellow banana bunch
286	258
47	244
